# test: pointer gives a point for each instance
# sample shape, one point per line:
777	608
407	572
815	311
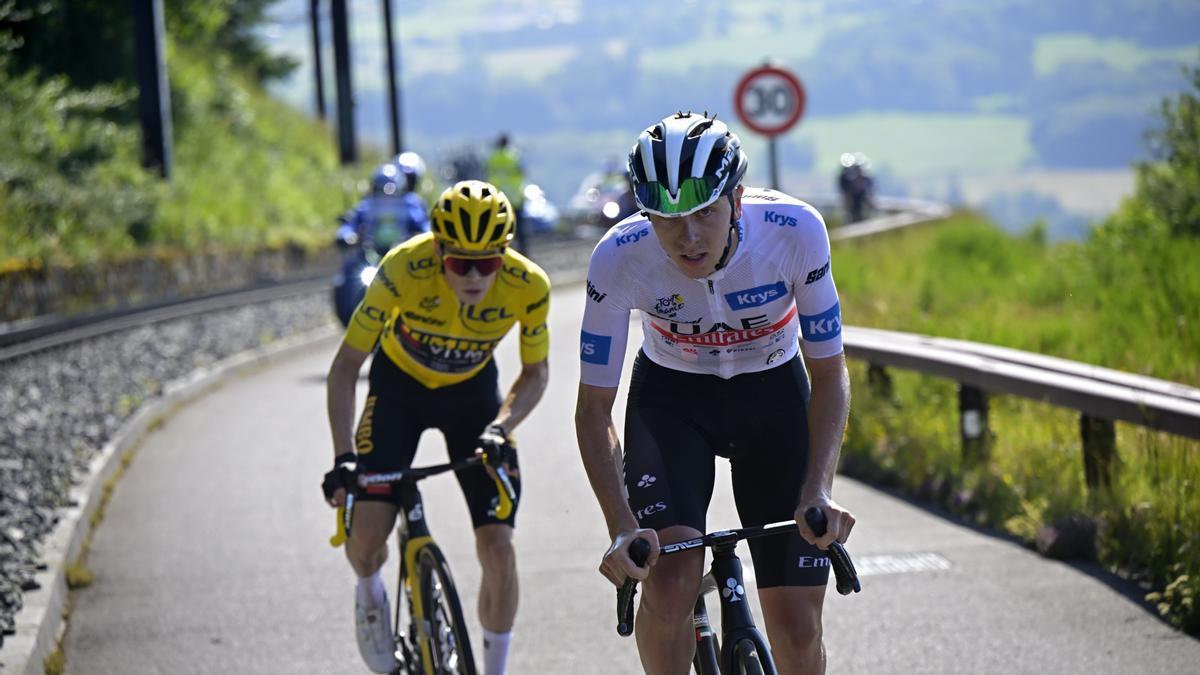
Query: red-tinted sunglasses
463	266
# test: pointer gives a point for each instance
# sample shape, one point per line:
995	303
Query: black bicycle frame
737	623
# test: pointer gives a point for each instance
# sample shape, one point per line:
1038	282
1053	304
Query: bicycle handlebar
639	551
843	567
504	507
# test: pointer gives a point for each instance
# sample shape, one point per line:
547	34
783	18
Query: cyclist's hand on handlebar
340	478
498	450
839	522
616	565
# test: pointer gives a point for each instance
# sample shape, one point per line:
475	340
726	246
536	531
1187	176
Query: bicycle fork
737	622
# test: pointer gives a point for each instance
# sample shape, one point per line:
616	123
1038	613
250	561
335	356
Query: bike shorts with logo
399	408
677	423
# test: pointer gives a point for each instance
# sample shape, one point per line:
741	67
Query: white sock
495	652
371	590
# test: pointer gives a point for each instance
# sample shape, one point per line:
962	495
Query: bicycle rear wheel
449	643
746	658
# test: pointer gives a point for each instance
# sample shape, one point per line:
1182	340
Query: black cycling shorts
399	408
677	423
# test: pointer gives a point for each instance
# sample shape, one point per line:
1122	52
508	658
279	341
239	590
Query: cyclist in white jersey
731	284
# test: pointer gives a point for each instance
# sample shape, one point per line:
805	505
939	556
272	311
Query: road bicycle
741	650
433	640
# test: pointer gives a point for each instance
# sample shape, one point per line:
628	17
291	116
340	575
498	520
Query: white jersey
746	317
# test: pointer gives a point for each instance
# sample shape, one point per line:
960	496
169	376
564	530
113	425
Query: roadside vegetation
1124	298
249	171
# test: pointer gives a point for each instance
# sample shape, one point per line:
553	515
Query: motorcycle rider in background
391	213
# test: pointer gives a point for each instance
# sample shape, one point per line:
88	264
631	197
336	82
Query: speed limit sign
769	100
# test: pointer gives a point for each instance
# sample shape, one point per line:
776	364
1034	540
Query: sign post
770	101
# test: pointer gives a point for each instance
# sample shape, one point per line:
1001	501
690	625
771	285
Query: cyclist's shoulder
414	255
623	242
781	215
524	275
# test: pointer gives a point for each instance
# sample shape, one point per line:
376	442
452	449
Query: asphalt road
213	558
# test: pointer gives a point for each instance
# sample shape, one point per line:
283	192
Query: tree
1170	186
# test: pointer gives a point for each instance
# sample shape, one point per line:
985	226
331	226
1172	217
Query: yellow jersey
420	325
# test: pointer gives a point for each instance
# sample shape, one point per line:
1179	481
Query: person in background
392	212
505	171
856	186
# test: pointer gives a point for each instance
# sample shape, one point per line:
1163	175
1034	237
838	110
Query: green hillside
249	171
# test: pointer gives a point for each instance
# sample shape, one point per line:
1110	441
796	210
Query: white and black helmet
684	163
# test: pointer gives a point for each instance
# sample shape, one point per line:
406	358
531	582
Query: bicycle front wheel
746	658
449	644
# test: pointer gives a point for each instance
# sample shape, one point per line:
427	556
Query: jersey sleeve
816	295
605	329
372	314
535	331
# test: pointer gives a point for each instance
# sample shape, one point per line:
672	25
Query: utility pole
154	98
314	17
393	94
345	89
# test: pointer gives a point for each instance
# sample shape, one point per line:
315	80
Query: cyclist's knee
372	525
494	546
670	591
793	616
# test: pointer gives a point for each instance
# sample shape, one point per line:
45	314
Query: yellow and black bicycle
433	639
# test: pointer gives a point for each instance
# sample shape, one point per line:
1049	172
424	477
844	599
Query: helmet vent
465	191
484	220
465	219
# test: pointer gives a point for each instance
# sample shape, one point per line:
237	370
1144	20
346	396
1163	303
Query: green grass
1112	301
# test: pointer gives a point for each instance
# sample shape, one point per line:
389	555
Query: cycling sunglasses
693	193
463	266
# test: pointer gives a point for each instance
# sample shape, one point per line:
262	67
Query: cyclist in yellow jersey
437	308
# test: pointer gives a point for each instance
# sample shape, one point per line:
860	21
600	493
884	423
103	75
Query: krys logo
824	326
780	219
594	348
757	296
632	237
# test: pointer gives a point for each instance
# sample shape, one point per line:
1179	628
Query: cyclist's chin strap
729	237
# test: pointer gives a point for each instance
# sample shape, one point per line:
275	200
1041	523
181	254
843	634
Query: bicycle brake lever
639	552
507	495
843	568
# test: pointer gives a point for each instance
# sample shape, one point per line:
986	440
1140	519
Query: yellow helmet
473	216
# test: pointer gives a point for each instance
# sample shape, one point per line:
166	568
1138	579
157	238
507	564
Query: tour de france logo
669	305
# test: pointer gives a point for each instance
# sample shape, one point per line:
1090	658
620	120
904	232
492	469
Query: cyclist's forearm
828	410
340	398
524	395
601	451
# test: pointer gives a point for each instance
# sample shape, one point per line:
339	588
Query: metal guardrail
1094	391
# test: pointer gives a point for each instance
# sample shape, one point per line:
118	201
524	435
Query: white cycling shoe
373	628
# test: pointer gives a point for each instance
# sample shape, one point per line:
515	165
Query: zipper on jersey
719	316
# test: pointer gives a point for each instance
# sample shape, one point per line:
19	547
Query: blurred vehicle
540	214
603	200
390	214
